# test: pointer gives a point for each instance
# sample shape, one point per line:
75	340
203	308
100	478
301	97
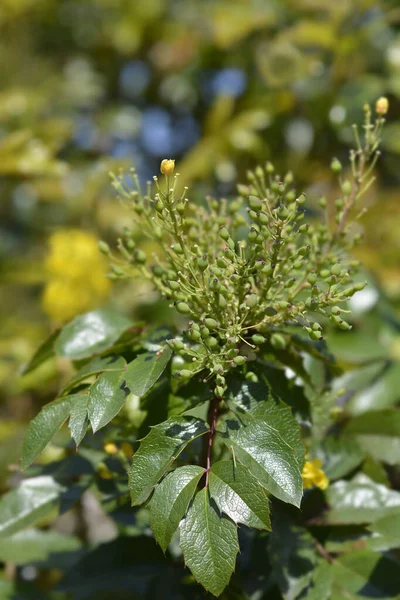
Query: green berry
183	308
104	248
140	257
336	166
211	323
252	300
258	339
278	341
255	203
224	233
239	360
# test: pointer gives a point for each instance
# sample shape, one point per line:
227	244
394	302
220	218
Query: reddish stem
212	421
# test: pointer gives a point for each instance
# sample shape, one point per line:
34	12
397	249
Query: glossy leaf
106	398
293	557
170	502
142	373
368	574
158	450
239	495
261	449
43	427
90	334
378	433
43	353
389	528
99	364
28	503
35	545
78	419
361	500
258	400
340	455
209	544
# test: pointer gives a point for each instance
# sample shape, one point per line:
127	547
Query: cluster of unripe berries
242	280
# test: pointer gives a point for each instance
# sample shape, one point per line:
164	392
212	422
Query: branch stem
212	421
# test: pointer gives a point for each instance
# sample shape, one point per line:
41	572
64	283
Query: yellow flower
76	272
313	475
127	449
110	448
167	166
382	106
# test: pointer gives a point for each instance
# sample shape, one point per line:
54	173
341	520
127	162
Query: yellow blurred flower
313	475
110	448
76	273
382	106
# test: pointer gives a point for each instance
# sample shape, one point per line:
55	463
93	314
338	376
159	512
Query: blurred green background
88	86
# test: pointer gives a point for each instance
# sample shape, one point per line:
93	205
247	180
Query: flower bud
382	106
185	374
269	167
258	339
312	278
322	202
202	262
167	166
346	187
301	200
211	323
212	342
359	286
180	208
219	391
250	376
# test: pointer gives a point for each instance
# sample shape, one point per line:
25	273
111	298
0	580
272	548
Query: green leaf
368	574
170	502
378	434
33	545
209	544
158	450
142	373
261	449
258	400
43	427
28	503
389	528
99	364
292	555
91	333
239	495
320	587
383	392
78	419
339	455
360	500
106	398
43	353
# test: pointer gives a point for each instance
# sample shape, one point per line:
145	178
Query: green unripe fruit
335	270
205	332
267	269
283	212
185	374
281	188
297	264
130	244
158	205
304	228
312	278
253	215
269	167
221	262
252	300
322	202
335	319
291	196
239	360
212	342
177	345
104	247
316	326
336	166
140	257
250	376
303	250
202	262
335	310
258	339
255	203
344	325
278	341
289	178
183	308
180	208
315	335
224	233
301	200
324	273
157	271
174	285
214	284
219	391
346	187
263	219
222	301
117	270
339	203
194	335
177	248
211	323
360	286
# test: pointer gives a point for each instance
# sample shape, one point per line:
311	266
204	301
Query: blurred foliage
91	85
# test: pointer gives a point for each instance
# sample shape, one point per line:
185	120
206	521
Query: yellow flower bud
110	448
167	166
382	106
